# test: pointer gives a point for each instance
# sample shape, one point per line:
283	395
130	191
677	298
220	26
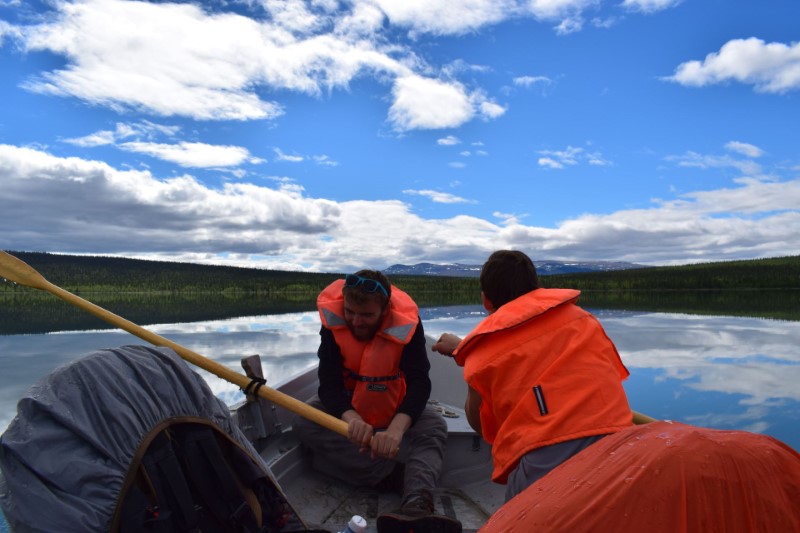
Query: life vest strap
373	379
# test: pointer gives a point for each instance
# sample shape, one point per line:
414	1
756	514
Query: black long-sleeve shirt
413	363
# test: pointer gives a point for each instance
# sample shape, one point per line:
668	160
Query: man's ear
487	303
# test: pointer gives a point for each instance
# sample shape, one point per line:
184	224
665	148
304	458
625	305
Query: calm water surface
714	371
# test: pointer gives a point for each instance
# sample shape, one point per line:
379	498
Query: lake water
715	371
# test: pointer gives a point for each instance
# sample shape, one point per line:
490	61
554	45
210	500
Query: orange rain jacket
546	373
372	368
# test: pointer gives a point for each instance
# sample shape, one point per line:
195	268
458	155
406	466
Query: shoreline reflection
717	371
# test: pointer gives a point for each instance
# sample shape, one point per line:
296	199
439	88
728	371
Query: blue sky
333	135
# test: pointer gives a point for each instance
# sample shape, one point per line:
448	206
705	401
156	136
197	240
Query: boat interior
465	490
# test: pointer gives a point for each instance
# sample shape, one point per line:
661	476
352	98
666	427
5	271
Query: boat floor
326	503
465	490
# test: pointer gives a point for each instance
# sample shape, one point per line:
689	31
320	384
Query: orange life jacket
546	373
372	368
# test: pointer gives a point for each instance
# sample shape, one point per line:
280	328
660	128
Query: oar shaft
639	419
284	400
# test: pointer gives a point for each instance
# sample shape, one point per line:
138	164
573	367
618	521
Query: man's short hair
507	275
359	295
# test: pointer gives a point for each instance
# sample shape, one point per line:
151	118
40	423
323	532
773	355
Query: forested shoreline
159	292
119	275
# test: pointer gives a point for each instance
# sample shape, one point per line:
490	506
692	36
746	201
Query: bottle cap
358	524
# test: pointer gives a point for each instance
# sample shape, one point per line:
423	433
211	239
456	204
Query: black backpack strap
191	476
173	496
214	479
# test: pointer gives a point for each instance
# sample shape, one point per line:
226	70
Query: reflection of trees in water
27	311
778	304
35	313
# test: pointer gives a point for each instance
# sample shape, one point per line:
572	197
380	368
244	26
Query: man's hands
446	344
358	431
381	444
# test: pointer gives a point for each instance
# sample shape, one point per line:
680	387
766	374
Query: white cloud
549	162
769	67
490	110
746	149
508	219
282	226
424	103
442	17
439	197
555	9
324	160
571	155
450	140
144	129
193	155
291	158
649	6
569	25
530	81
705	161
560	158
597	159
98	138
177	60
167	59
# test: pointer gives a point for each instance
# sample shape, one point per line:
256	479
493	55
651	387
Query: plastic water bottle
356	524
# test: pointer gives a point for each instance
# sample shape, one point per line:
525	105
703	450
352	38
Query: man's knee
432	424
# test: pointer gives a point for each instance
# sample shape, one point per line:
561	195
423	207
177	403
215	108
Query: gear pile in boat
131	439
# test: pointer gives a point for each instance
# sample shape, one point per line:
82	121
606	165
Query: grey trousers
421	450
535	464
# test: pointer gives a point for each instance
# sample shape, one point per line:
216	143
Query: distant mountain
544	268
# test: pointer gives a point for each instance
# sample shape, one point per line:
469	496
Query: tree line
99	274
769	273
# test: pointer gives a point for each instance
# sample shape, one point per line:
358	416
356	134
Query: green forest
80	274
159	292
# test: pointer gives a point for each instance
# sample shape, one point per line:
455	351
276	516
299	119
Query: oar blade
18	271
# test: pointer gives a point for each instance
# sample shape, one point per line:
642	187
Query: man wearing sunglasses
373	374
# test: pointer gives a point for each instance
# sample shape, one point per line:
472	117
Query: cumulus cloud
179	60
768	67
424	103
170	59
247	224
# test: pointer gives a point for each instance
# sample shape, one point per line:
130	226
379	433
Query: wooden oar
639	418
20	272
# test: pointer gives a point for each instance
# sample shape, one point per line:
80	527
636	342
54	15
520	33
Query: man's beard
364	333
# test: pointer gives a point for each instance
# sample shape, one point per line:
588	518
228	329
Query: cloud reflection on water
726	372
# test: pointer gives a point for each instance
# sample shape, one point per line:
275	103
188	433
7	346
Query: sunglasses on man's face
369	285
